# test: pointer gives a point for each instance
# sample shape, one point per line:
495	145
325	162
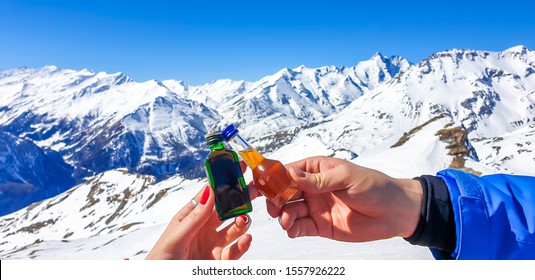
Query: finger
303	227
231	232
316	164
253	191
243	166
181	228
291	212
310	164
182	213
236	250
297	197
213	222
327	181
190	225
272	210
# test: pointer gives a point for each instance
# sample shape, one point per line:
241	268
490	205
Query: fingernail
244	218
300	172
205	195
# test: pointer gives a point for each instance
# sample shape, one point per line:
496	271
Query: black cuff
436	228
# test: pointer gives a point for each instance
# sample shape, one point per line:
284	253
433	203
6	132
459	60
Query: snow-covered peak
56	92
50	68
179	87
520	53
301	95
213	94
377	56
379	69
85	115
520	49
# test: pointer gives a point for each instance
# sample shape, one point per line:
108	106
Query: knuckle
319	179
194	215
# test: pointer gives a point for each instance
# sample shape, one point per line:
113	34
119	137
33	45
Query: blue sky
199	41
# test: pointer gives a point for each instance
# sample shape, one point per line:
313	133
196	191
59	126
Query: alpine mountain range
96	153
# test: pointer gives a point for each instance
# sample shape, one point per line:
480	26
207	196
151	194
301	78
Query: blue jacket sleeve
494	215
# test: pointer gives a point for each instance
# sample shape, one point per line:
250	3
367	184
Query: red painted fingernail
205	195
244	218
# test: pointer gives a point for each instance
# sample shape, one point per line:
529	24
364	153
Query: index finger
193	222
186	209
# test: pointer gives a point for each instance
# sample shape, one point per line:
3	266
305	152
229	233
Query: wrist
436	228
409	206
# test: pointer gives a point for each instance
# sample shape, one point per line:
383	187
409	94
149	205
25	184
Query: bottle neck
247	152
217	146
239	144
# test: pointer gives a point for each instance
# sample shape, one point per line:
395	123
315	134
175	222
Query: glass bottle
226	179
270	176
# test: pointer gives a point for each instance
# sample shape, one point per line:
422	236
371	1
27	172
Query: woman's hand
192	234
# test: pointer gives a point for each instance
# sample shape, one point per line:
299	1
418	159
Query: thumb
327	181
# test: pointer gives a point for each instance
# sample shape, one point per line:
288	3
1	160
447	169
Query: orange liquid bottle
270	176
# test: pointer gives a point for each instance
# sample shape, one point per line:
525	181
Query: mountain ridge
466	109
99	121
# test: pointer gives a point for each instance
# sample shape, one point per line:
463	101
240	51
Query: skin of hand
193	233
347	202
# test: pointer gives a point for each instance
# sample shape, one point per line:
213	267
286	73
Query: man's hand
347	202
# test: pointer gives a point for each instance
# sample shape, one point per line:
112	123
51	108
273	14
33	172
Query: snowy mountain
100	121
466	109
291	97
490	95
29	173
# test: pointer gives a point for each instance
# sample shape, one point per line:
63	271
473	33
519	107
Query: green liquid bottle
226	179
